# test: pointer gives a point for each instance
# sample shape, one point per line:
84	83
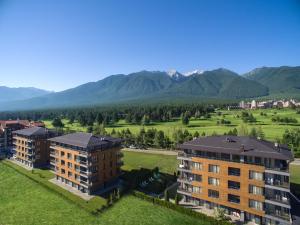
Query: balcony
184	191
184	156
278	214
184	168
53	162
276	182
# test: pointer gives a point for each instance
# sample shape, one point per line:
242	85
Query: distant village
254	104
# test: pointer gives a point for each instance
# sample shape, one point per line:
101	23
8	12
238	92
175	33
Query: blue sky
60	44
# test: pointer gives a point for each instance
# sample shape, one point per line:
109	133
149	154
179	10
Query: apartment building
86	162
6	132
247	177
31	146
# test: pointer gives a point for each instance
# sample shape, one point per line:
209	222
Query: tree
196	134
99	130
57	123
90	129
260	133
145	120
159	139
220	214
99	118
166	195
243	130
185	118
176	199
253	132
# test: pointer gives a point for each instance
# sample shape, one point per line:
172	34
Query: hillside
150	86
283	80
8	94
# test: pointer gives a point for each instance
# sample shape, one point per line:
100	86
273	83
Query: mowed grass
295	174
22	201
136	160
271	129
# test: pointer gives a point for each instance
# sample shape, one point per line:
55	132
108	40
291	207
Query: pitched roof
85	140
32	131
239	145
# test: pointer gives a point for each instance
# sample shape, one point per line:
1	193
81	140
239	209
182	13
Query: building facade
86	162
7	127
247	177
31	146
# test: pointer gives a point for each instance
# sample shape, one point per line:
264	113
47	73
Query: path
151	151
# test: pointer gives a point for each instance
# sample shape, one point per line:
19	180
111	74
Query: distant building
86	162
253	104
31	146
6	132
247	177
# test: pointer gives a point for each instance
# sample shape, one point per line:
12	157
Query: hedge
93	206
180	209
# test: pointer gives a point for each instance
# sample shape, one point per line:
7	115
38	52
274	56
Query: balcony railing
277	198
279	214
277	183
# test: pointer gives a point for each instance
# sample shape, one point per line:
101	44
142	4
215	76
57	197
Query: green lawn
272	130
295	174
23	201
136	160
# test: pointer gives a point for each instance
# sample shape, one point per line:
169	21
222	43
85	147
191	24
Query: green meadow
272	130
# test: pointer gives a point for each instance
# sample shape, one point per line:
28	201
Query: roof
239	145
25	123
32	131
86	140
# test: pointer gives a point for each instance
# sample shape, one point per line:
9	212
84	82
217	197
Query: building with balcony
86	162
6	132
247	177
31	146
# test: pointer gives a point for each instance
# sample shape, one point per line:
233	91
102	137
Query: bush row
90	208
180	209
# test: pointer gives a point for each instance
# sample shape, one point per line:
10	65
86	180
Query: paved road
151	151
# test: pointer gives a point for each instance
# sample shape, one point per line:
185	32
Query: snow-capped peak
194	72
172	72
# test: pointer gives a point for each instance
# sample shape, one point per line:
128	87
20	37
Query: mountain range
156	86
14	94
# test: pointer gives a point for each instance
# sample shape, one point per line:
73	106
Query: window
63	171
234	185
255	175
62	154
213	181
255	204
255	190
234	171
213	193
77	177
197	189
197	166
77	167
69	156
62	162
233	198
94	169
94	158
69	174
197	177
70	165
214	168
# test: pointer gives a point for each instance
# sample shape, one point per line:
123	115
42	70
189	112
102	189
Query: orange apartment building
6	133
31	146
86	162
247	177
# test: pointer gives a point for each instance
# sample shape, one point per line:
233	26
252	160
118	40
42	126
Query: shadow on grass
151	182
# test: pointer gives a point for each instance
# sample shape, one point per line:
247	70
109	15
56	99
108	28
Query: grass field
271	129
136	160
23	201
295	174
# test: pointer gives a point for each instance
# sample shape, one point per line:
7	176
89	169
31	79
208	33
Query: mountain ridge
156	85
